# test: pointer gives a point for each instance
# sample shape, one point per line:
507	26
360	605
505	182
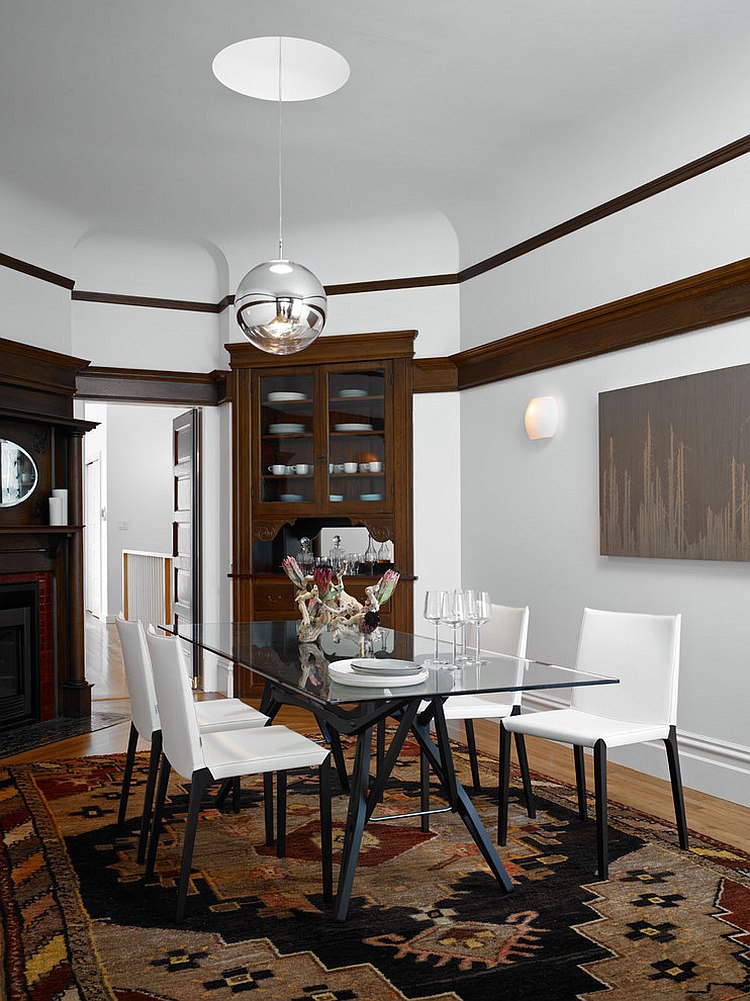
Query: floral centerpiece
323	603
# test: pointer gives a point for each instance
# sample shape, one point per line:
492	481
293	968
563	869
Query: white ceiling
111	109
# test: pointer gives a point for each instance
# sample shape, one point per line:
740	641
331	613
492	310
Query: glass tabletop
272	650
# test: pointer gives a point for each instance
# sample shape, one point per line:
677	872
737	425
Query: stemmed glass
471	618
434	608
455	616
483	614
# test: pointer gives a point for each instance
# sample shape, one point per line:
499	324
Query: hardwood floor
707	815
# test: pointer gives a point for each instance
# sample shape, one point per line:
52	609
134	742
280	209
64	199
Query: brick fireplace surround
46	665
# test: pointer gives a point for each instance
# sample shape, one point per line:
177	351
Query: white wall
531	535
139	486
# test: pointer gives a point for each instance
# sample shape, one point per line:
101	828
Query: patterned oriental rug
427	920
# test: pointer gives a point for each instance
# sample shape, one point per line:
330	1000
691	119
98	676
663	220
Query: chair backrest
139	675
643	651
507	632
179	726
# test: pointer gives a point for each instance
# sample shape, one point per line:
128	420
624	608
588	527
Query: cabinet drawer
273	596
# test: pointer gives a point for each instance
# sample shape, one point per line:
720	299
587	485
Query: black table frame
364	794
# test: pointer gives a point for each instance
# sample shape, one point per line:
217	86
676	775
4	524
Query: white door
93	536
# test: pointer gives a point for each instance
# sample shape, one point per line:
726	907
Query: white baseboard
713	766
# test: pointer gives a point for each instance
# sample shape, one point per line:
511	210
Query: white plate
378	666
352	427
285	397
335	497
370	497
341	671
353	393
291	498
286	428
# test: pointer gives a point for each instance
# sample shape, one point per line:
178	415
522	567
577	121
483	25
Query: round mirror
18	474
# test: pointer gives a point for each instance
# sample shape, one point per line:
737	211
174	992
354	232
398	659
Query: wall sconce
541	417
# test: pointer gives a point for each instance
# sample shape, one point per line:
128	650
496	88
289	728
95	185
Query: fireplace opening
19	654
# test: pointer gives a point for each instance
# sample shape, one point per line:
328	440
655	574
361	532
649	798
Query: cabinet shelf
352	476
354	434
281	437
353	399
288	476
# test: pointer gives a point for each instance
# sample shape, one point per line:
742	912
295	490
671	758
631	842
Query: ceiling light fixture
280	306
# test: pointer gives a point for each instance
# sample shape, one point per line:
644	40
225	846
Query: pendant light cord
281	240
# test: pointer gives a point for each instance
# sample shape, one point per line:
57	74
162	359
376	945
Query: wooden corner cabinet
322	439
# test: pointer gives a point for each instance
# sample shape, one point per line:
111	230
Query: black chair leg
281	814
379	750
503	781
424	792
600	784
148	799
673	759
268	805
127	775
578	757
523	764
471	743
326	831
161	796
198	786
236	794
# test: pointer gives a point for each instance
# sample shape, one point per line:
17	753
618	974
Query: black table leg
355	823
385	767
440	759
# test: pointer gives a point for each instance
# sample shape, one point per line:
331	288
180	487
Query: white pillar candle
56	511
63	495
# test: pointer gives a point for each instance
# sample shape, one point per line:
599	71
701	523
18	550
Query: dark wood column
76	691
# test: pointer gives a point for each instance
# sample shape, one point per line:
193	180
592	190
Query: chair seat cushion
571	726
227	714
476	707
259	749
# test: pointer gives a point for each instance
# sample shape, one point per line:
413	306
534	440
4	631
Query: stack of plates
377	673
370	497
352	427
286	428
353	393
291	498
285	397
335	497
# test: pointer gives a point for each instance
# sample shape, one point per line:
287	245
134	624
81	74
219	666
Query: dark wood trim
434	375
703	300
152	302
716	158
126	385
685	173
390	284
6	261
329	349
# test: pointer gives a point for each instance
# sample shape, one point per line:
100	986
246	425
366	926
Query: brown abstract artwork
674	468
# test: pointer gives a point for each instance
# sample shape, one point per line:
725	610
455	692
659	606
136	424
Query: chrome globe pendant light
280	305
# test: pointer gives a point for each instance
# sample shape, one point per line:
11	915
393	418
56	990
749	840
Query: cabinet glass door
357	437
287	468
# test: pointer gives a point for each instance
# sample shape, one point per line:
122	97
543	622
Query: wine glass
471	618
434	608
483	614
455	616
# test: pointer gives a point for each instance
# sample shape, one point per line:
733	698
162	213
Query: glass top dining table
273	651
299	674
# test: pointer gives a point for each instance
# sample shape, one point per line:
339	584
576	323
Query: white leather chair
217	714
506	632
643	651
205	757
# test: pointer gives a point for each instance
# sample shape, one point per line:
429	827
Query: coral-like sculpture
324	604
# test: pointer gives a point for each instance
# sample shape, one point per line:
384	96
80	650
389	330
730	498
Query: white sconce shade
541	417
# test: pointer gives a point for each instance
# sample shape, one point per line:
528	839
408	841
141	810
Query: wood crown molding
38	369
152	302
707	299
126	385
703	300
330	348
